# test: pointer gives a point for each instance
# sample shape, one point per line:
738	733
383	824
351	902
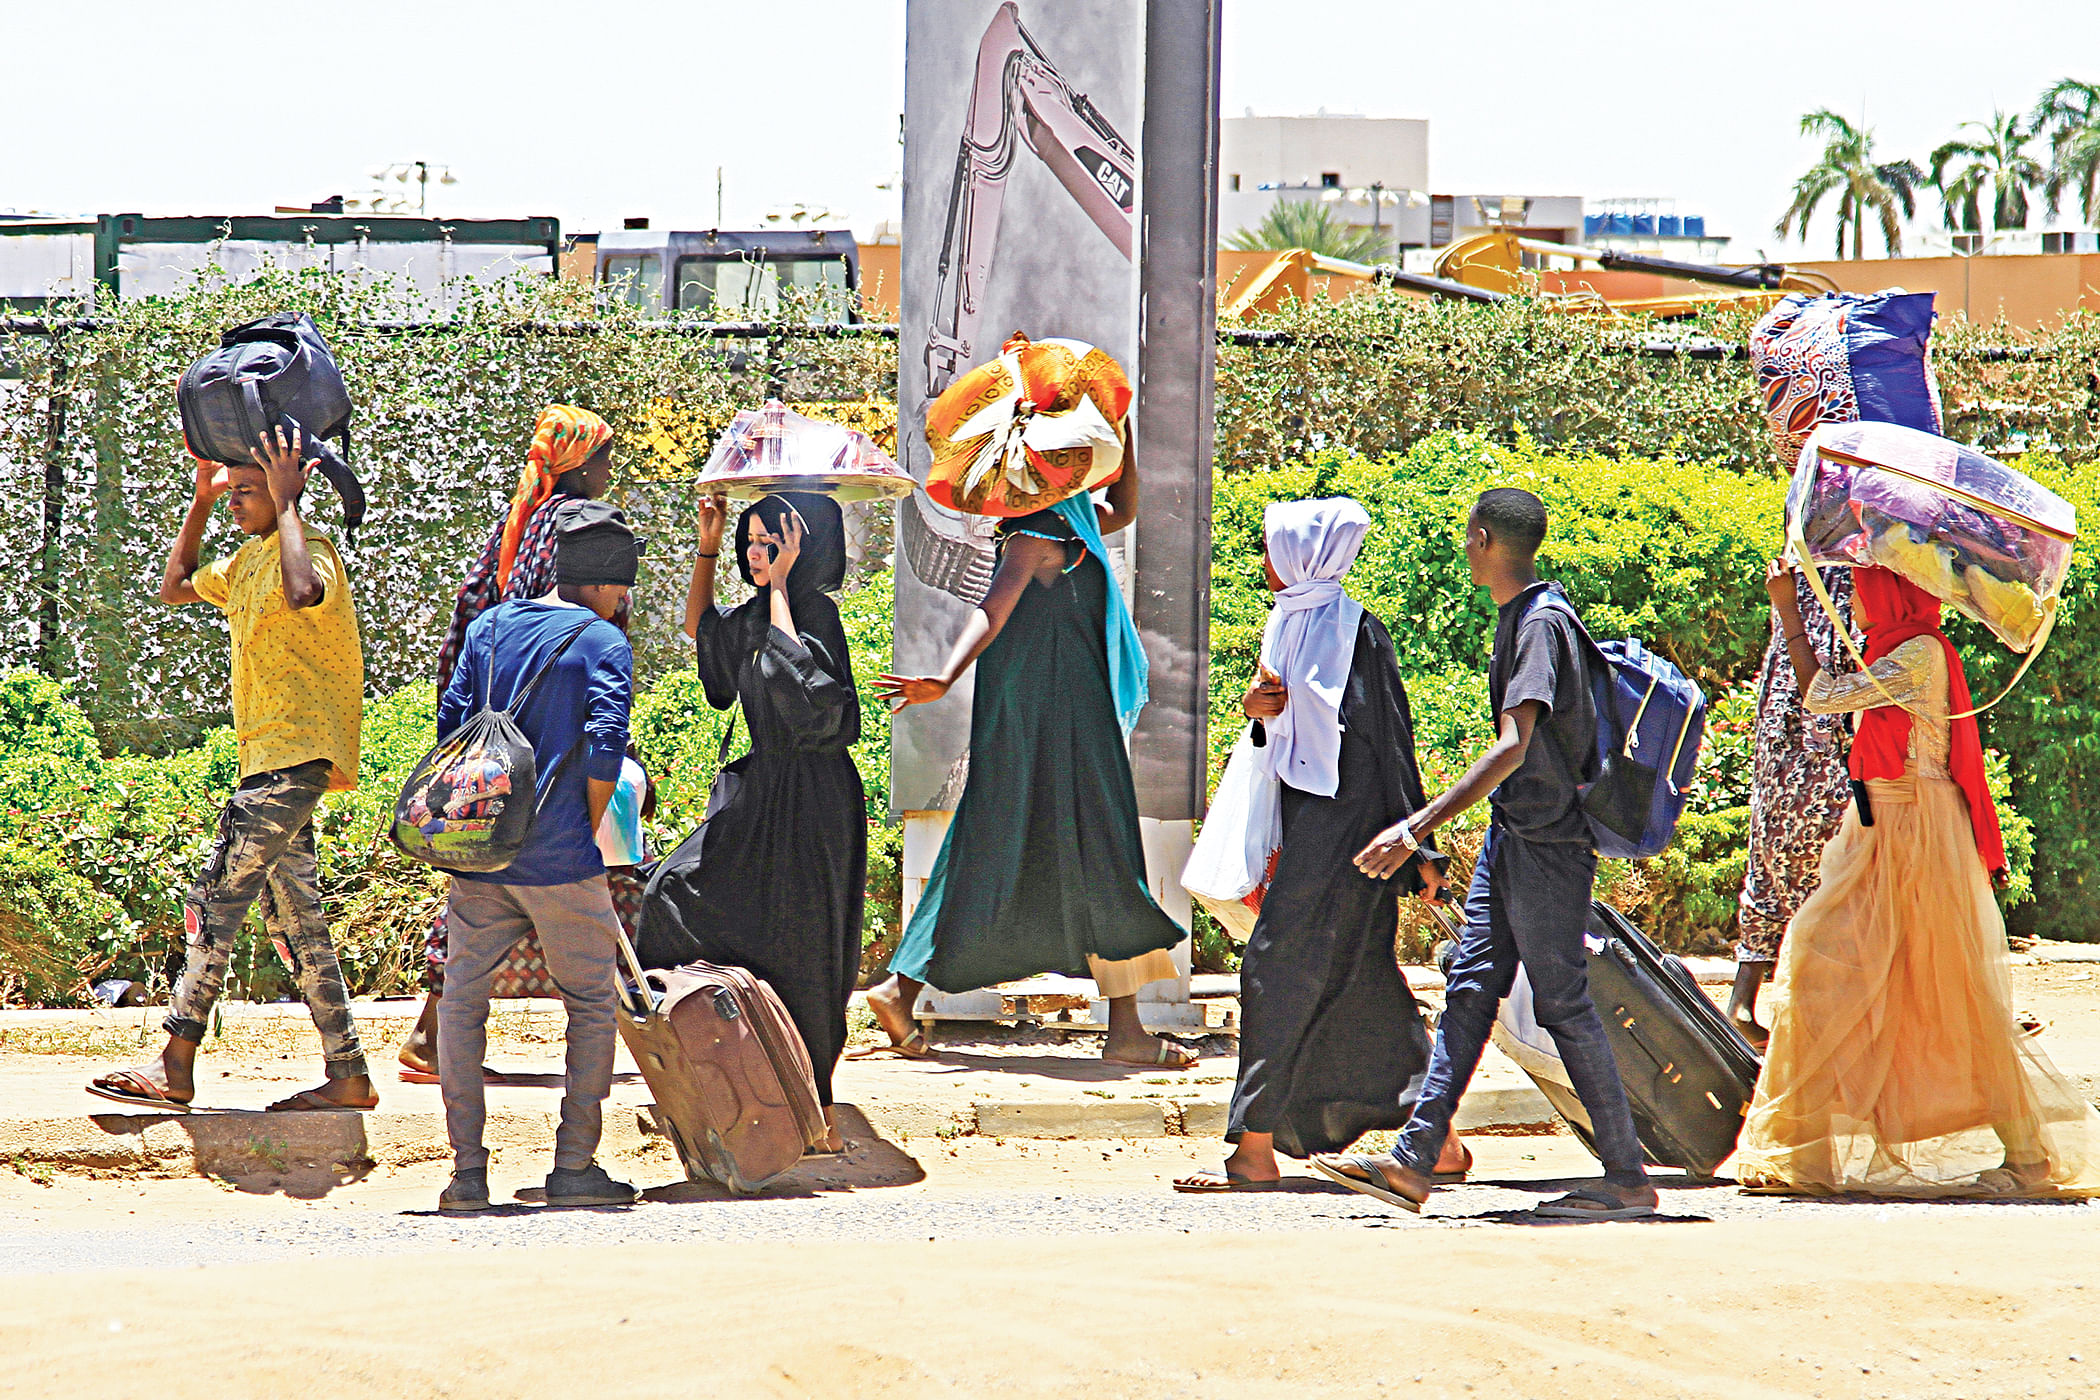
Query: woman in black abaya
783	869
1332	1045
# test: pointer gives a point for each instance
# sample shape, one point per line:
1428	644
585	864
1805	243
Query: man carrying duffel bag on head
565	673
298	690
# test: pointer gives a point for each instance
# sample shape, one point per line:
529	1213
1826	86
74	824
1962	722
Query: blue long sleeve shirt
583	701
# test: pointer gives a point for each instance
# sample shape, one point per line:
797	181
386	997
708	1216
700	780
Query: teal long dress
1043	863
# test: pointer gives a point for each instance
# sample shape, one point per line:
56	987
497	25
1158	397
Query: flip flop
1219	1182
311	1101
489	1075
1338	1167
900	1048
128	1086
1590	1203
1165	1055
1455	1177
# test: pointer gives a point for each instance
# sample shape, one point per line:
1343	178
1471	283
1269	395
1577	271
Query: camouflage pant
265	848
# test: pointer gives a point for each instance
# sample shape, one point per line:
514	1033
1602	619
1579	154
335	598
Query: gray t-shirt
1540	655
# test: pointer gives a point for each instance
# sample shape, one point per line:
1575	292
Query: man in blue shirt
577	723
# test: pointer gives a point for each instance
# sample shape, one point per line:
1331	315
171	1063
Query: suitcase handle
641	978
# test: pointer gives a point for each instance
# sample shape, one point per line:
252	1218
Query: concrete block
1204	1119
1501	1108
1098	1118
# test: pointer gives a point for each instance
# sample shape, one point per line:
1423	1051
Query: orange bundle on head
1041	423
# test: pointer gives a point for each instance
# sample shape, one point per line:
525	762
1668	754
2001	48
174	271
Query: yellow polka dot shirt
298	674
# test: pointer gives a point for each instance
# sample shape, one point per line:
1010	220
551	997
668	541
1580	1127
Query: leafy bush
2049	729
53	925
1667	551
1671	552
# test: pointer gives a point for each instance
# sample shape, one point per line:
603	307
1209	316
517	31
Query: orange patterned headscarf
563	439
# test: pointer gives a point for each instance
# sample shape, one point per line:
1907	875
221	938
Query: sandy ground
1805	1308
972	1267
937	1265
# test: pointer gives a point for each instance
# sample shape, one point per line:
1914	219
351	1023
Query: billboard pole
1170	544
1030	109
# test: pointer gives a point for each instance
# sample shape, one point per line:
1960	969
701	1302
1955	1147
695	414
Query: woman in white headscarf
1332	1045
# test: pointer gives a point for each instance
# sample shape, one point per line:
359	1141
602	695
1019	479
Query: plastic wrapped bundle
774	448
1967	529
1042	422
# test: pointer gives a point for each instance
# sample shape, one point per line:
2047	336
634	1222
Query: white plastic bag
1235	855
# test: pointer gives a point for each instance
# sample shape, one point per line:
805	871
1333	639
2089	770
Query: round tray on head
841	486
773	448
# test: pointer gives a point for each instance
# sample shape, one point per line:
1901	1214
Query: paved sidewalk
988	1081
985	1079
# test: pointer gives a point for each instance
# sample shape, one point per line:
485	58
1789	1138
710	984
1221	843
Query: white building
1372	171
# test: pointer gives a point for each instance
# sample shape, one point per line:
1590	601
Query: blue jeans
1529	904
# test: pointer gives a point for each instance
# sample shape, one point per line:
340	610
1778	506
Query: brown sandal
128	1086
900	1048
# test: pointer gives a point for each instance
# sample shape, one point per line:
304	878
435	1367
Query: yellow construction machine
1496	262
1492	266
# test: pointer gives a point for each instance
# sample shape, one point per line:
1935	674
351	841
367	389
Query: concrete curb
237	1144
1150	1118
243	1144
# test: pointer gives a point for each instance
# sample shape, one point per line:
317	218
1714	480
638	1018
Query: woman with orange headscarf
570	456
1896	1066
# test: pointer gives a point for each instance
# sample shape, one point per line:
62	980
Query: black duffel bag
666	933
271	372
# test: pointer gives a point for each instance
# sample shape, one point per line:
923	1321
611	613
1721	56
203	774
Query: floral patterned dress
1798	782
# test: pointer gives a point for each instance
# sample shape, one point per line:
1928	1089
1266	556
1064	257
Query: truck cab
730	276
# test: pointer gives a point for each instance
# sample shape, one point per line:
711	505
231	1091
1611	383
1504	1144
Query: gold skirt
1896	1067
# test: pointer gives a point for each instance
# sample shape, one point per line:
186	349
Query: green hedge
96	852
1671	552
2049	728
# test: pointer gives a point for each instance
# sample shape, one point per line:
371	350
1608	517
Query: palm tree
2068	117
1304	223
1847	168
1994	163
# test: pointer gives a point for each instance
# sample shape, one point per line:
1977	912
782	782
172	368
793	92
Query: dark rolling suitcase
1688	1073
732	1080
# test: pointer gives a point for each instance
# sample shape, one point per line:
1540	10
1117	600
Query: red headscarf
1896	611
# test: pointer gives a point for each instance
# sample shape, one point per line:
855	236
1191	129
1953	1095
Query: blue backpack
1651	719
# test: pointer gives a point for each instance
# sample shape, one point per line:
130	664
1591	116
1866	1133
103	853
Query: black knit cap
594	544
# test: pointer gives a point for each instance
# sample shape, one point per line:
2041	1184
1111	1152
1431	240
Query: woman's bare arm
1121	507
1027	559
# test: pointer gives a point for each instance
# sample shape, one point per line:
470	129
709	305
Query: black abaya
783	869
1332	1044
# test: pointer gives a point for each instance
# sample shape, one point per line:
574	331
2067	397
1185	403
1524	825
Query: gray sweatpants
576	926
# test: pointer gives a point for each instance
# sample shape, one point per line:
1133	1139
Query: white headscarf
1311	637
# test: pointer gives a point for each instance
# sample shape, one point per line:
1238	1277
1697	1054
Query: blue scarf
1128	672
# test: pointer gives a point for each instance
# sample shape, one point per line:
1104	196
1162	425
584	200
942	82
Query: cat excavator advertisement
1027	208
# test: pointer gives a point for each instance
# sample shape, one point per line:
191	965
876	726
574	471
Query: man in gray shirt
1529	903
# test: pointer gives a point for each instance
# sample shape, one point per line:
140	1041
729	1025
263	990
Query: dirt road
970	1267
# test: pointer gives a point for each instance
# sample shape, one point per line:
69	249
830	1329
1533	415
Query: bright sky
593	112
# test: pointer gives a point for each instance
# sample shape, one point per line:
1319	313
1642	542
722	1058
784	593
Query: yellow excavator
1491	266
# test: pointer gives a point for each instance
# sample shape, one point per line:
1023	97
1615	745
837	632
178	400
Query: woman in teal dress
1043	869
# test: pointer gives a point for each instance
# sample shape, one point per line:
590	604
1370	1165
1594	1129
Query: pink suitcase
732	1080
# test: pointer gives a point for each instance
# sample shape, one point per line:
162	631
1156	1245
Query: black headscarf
822	565
817	574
